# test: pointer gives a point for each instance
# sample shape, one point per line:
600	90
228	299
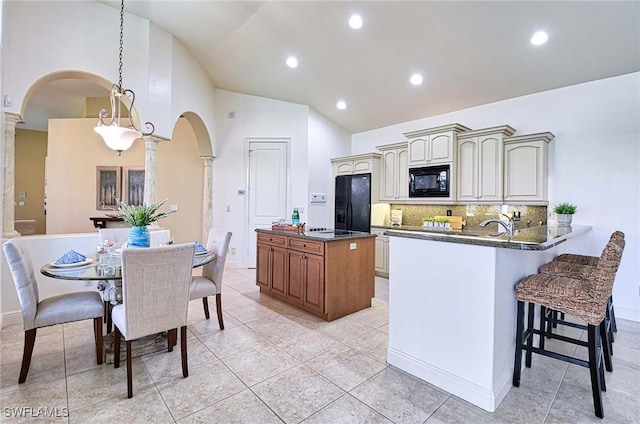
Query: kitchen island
452	308
327	273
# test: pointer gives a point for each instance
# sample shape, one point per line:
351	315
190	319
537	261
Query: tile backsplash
413	215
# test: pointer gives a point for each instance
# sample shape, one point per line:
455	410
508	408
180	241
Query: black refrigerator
353	202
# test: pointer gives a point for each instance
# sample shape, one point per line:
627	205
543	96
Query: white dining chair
118	235
54	310
210	283
155	298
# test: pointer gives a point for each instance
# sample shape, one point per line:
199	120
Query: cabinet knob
304	245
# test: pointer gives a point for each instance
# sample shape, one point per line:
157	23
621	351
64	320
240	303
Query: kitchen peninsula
327	273
451	304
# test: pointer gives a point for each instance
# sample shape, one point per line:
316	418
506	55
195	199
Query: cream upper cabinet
526	168
357	164
434	145
479	170
394	172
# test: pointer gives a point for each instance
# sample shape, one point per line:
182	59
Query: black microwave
430	181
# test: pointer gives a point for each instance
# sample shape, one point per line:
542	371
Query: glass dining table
108	273
93	270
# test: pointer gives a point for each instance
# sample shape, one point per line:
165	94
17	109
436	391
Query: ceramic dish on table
86	262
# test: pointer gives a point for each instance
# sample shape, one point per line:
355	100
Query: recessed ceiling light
292	62
416	79
342	105
539	38
355	22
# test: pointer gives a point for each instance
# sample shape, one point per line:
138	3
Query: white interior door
267	188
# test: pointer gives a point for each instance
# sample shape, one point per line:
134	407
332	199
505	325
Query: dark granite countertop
530	238
327	235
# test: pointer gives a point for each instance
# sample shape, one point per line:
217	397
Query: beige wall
180	180
30	153
75	151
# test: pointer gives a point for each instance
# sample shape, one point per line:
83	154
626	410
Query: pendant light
117	136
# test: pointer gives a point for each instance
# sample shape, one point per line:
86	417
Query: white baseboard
483	397
627	313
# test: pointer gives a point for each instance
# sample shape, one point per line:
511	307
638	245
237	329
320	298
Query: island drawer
272	239
308	246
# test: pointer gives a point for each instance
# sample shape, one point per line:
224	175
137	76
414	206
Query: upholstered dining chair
54	310
210	283
155	298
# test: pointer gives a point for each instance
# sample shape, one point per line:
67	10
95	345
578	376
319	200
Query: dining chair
155	298
54	310
210	283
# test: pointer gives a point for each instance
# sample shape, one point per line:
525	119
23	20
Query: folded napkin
71	257
200	248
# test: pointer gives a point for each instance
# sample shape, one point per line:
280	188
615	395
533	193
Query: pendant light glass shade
117	138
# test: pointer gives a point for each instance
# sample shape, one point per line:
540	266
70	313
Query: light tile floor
274	363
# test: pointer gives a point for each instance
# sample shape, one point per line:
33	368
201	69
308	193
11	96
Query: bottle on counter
295	218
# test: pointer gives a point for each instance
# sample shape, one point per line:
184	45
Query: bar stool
581	266
585	260
585	299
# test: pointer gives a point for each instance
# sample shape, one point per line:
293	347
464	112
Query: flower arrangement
142	215
565	209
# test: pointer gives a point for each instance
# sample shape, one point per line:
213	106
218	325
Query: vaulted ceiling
469	52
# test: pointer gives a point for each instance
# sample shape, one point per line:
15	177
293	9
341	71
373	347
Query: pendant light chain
121	45
116	136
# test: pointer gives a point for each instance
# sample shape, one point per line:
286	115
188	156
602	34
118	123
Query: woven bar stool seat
577	259
583	298
582	266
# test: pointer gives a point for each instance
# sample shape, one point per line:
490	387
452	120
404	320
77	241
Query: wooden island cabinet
327	274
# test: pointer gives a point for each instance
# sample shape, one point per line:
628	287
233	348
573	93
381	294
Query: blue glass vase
139	237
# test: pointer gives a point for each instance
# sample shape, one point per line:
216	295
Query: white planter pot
564	219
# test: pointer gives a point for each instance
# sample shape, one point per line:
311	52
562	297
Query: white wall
594	159
326	141
254	117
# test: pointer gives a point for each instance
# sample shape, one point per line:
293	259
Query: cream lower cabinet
526	169
479	165
394	172
382	253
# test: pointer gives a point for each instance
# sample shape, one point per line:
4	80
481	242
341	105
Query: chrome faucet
507	226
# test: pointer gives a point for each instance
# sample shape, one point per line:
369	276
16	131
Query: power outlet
233	250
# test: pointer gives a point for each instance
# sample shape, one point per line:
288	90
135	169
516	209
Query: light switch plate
353	246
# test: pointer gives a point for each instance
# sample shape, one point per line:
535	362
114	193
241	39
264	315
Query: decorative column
150	167
8	198
207	197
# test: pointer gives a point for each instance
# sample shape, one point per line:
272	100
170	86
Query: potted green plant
565	212
139	216
427	222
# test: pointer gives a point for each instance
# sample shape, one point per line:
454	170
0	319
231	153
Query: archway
53	92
